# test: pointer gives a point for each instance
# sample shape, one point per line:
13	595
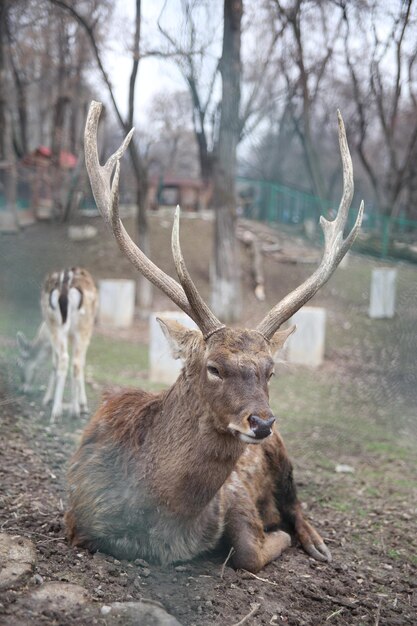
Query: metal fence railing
381	235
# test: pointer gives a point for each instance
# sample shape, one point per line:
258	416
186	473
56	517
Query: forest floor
358	409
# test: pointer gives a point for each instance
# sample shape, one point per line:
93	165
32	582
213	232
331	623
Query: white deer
69	303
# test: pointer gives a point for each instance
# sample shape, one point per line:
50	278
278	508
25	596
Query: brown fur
164	476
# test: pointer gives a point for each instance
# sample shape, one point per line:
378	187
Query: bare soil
370	525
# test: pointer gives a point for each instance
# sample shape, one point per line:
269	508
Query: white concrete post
162	367
117	302
383	286
8	222
306	345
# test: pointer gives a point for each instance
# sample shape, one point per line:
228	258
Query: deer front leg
292	517
51	384
253	548
79	396
62	360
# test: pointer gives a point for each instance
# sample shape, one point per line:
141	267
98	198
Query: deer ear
280	337
179	337
23	344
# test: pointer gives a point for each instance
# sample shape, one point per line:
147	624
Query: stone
8	222
81	233
341	468
105	610
141	613
117	302
44	209
17	559
37	579
59	596
306	345
162	367
383	288
310	228
26	218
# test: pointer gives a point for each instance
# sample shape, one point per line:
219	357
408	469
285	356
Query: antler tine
208	321
335	248
107	200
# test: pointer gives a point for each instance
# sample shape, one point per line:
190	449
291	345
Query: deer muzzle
260	428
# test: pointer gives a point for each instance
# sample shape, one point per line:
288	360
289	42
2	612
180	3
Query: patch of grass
332	419
339	505
407	484
388	449
117	361
394	554
14	318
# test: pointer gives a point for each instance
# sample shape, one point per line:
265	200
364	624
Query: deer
167	476
69	302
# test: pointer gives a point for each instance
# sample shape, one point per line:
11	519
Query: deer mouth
250	436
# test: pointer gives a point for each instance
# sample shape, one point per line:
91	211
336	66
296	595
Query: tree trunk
144	291
7	156
225	275
144	296
59	116
56	147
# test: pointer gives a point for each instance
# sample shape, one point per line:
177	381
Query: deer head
230	372
26	362
31	355
232	365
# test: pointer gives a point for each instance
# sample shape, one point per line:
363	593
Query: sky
154	75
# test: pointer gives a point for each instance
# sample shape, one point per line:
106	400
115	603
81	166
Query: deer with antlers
164	476
69	303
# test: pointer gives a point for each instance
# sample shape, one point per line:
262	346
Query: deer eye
270	375
213	371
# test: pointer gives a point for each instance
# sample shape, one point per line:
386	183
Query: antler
335	248
106	195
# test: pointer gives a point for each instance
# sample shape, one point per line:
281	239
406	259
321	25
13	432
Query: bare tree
225	294
126	123
195	56
221	119
48	89
305	69
384	92
173	148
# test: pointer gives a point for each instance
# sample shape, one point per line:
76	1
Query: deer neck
194	459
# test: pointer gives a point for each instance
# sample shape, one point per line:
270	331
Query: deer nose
261	428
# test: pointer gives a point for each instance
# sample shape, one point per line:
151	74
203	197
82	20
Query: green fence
277	204
271	202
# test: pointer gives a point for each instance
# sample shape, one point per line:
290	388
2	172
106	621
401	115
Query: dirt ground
367	517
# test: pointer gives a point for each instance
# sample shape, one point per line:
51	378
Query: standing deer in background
69	303
164	476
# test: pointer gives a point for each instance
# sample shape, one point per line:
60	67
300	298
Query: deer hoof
55	415
320	551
